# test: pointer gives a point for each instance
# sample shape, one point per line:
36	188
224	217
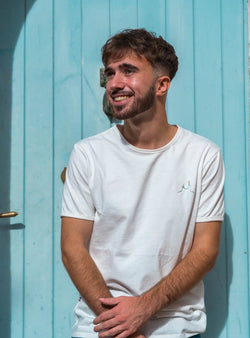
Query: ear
162	85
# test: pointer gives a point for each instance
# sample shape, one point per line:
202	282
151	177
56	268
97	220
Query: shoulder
95	141
197	143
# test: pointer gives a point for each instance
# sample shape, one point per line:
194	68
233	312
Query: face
131	86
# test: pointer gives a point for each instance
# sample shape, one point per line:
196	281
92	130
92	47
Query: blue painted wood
179	16
67	131
234	74
208	70
17	189
151	15
56	100
38	170
95	31
123	17
11	111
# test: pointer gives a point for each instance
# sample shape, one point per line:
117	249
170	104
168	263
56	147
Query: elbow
211	259
68	253
206	258
72	254
65	256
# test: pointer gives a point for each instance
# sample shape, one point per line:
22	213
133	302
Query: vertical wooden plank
67	131
234	73
209	123
17	188
179	32
93	38
152	16
11	19
247	128
208	69
38	172
122	16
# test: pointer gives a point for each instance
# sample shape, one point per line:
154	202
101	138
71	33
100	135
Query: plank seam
246	132
194	69
223	147
24	162
53	169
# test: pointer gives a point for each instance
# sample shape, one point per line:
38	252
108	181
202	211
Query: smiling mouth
121	98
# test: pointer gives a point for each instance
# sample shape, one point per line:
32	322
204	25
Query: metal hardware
106	106
8	214
63	174
103	78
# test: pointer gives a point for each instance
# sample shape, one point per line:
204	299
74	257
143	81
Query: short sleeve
211	204
77	201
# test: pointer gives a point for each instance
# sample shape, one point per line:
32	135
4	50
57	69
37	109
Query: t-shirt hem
89	218
210	219
173	335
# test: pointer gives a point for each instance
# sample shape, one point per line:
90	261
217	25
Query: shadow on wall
12	18
217	284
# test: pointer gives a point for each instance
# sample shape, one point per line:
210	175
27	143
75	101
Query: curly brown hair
156	50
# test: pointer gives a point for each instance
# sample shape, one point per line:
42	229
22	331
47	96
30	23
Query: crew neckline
148	151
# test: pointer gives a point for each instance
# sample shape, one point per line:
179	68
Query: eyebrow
121	67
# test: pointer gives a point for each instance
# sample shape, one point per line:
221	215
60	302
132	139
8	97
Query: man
142	206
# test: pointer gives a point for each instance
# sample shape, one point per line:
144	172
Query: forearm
182	278
89	281
86	277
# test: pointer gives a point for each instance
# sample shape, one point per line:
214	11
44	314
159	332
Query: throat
148	138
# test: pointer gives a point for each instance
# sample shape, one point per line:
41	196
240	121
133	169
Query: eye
109	73
128	71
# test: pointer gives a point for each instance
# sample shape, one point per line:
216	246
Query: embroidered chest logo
186	187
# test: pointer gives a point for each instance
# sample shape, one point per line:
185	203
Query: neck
148	130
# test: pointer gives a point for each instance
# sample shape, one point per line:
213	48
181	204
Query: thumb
109	301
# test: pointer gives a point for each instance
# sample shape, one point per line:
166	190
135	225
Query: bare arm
130	313
199	261
81	268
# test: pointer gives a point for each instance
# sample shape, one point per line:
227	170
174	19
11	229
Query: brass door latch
63	174
8	214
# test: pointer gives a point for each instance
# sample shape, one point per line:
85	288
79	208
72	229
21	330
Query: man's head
139	67
159	53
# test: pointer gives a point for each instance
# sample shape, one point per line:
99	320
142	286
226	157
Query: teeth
121	98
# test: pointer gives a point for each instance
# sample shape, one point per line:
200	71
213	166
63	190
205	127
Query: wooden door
51	97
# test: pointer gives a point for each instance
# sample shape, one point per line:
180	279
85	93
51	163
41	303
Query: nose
116	82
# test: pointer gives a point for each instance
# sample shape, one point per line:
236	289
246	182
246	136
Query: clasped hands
124	319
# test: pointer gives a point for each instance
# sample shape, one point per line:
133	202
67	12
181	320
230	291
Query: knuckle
122	318
115	331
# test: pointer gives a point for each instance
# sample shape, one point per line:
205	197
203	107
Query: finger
109	324
114	332
106	315
126	334
109	301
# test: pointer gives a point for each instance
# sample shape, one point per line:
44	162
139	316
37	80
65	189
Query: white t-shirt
144	203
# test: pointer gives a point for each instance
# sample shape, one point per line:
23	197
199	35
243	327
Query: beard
139	105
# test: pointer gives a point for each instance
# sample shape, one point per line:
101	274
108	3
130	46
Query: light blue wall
51	97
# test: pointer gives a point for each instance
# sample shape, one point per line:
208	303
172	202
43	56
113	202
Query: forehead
130	59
